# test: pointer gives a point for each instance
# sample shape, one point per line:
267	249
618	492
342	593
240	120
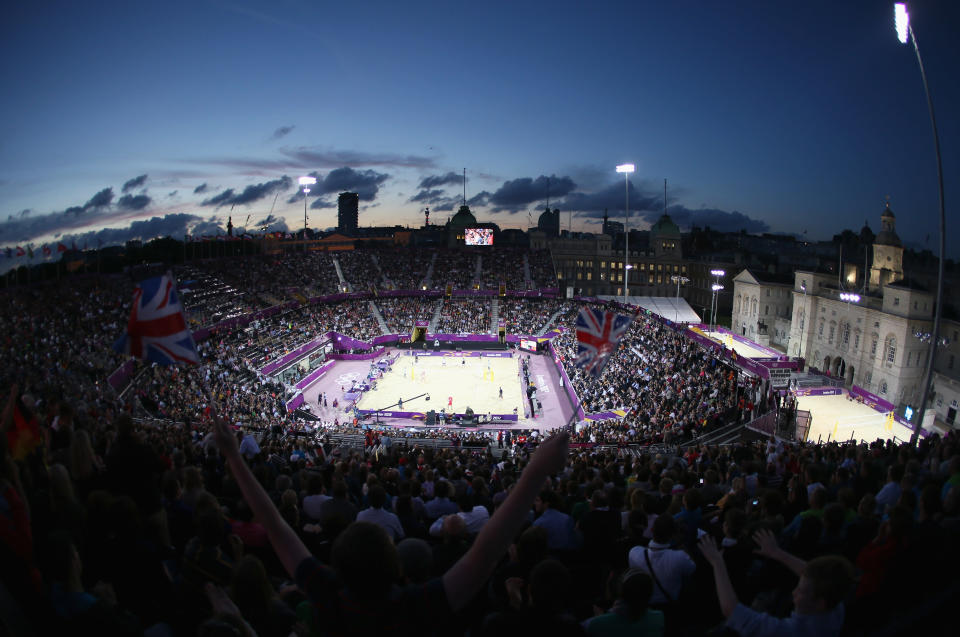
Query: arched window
737	310
883	387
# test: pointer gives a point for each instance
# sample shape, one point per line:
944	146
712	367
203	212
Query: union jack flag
157	330
598	333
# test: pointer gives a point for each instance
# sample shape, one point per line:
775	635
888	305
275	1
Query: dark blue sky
787	117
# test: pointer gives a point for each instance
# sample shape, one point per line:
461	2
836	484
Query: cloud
202	188
99	200
435	181
482	198
250	194
365	183
716	219
282	132
174	225
136	182
303	158
517	194
134	202
611	198
172	194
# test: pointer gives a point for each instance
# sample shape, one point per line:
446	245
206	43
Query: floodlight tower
905	33
626	169
306	182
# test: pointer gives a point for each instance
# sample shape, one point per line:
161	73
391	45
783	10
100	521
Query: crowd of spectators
190	528
404	268
464	317
542	273
401	314
672	388
221	513
455	267
503	265
527	316
359	269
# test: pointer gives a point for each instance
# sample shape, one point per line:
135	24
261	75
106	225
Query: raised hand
224	435
767	543
708	546
551	455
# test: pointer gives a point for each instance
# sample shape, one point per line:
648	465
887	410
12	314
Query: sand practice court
742	349
837	417
471	381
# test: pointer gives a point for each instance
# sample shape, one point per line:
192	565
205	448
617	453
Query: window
891	349
867	379
896	300
659	279
856	340
820	331
603	264
766	309
845	334
833	329
883	387
768	291
873	345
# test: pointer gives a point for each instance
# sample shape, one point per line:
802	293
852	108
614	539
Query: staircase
375	312
428	278
526	272
432	328
549	322
343	281
494	315
478	271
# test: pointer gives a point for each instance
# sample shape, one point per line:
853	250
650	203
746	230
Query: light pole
717	275
803	320
905	33
676	278
626	169
713	312
306	182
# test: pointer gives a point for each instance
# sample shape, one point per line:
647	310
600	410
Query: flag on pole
61	247
598	334
20	251
157	330
46	250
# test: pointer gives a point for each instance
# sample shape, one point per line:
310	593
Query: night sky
140	119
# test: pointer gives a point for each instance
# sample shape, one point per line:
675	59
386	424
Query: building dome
665	227
463	218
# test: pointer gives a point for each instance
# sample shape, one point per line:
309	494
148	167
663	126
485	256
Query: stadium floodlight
905	33
626	169
714	301
306	181
901	21
679	280
717	287
717	273
849	297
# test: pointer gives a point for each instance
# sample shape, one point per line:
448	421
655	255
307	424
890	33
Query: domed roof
463	218
665	226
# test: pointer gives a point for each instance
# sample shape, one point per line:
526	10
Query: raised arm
767	542
288	546
471	571
725	593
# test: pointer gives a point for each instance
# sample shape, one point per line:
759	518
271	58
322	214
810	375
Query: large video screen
527	344
478	236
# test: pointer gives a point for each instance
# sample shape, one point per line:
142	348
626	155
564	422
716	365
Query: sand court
836	418
470	381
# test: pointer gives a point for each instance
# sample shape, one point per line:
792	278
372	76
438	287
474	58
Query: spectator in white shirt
248	446
474	517
380	516
670	567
